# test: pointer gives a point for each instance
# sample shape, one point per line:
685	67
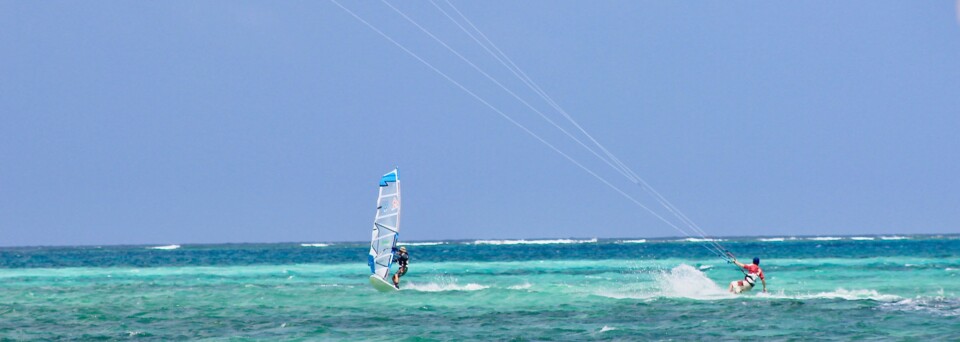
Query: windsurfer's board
381	285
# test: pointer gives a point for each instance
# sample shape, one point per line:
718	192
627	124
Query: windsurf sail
386	226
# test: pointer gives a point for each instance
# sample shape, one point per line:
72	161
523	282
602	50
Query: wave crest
421	243
840	293
165	248
939	305
532	242
825	238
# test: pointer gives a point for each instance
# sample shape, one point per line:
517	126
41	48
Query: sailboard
386	232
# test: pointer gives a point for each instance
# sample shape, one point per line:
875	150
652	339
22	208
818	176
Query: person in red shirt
753	272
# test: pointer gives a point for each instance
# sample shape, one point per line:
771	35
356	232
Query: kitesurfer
750	279
402	259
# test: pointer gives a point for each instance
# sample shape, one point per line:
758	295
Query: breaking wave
938	305
421	243
690	239
532	242
165	248
607	328
841	293
825	238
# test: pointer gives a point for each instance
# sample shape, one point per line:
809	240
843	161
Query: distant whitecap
421	243
532	242
166	248
893	238
690	239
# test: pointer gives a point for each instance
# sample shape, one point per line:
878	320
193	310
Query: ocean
820	288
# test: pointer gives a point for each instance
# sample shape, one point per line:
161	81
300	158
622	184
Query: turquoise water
880	288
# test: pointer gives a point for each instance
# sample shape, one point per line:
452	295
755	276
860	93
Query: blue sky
214	121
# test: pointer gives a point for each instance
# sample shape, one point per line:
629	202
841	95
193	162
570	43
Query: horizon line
478	239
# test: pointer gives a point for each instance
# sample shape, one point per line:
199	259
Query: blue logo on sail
390	177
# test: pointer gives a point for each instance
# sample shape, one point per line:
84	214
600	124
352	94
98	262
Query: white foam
683	281
688	282
440	287
862	238
314	245
523	286
442	283
607	328
705	267
771	239
634	241
825	238
165	248
893	238
841	293
421	243
690	239
941	306
532	242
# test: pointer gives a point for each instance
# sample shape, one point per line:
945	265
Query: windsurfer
753	272
402	259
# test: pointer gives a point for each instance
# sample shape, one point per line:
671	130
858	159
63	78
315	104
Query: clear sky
221	121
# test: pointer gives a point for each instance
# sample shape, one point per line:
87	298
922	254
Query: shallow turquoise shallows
868	287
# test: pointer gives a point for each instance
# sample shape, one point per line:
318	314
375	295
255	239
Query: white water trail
442	283
683	281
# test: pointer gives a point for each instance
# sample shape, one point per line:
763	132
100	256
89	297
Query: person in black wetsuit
402	259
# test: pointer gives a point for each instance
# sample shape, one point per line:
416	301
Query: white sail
386	226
